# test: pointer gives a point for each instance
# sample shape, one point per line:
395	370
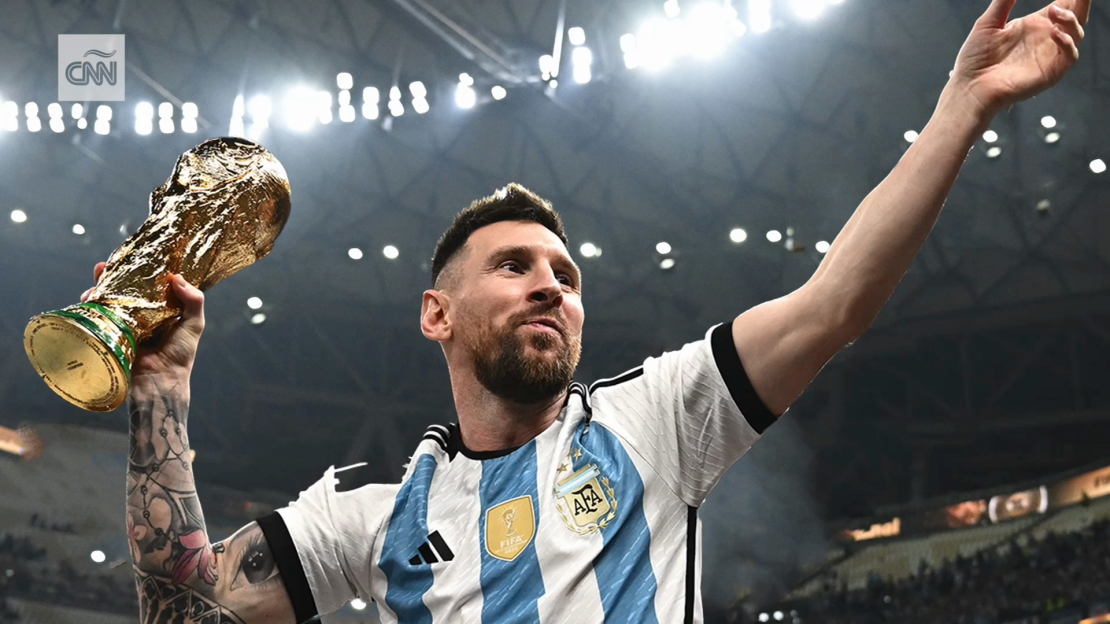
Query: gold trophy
220	211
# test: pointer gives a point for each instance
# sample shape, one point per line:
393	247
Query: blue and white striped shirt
594	520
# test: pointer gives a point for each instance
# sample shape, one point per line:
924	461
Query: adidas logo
429	549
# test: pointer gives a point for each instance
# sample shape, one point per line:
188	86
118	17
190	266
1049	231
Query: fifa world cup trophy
220	211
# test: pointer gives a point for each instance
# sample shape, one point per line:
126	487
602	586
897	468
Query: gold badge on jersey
585	500
510	527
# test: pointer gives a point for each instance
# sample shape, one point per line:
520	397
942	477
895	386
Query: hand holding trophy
219	212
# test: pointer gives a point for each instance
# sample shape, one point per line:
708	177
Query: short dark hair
511	203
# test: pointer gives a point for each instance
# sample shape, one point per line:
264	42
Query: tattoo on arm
179	574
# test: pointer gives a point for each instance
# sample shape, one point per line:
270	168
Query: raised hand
1004	61
170	354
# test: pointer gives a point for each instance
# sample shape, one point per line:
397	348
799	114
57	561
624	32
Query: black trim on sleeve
289	566
739	386
691	561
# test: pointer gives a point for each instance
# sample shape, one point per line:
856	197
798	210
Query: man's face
517	311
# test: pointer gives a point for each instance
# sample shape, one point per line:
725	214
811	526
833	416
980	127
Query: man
550	501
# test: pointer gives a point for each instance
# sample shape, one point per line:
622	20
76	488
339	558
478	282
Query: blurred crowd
26	573
1060	578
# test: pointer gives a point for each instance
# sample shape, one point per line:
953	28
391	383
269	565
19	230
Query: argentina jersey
593	520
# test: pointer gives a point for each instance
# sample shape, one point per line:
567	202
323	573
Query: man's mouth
546	325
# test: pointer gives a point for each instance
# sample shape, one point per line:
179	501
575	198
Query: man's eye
258	564
566	280
511	266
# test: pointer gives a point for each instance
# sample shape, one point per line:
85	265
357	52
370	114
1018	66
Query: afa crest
510	527
586	500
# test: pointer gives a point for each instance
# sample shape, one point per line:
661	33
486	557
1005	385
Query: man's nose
548	288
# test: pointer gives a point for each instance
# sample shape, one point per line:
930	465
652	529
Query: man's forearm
877	245
165	525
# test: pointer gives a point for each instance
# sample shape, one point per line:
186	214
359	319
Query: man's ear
433	316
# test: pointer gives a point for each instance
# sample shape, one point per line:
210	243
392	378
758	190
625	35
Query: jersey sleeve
689	413
322	543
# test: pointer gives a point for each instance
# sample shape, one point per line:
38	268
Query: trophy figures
219	212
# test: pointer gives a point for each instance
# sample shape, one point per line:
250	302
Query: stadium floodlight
258	318
764	617
83	123
822	247
774	236
343	80
97	556
78	229
369	110
396	108
759	15
547	66
19	216
498	92
466	79
299	107
371	95
418	90
260	108
663	247
657	43
1098	166
102	126
165	110
9	116
104	112
576	35
779	615
254	303
189	110
347	113
31	109
588	250
465	97
582	74
582	55
671	8
355	253
165	125
1052	138
77	111
57	125
189	125
910	136
344	98
34	124
358	605
994	152
391	252
628	43
738	235
144	110
667	264
1048	122
54	110
990	136
420	105
808	9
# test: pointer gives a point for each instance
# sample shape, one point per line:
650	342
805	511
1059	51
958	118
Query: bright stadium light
102	126
396	108
764	617
77	111
759	15
990	136
97	556
582	74
822	247
78	229
391	252
418	90
1052	138
576	36
1048	122
547	66
165	110
254	303
258	318
667	264
808	9
31	109
189	110
738	235
582	55
355	253
910	136
323	107
779	615
344	97
104	112
82	123
358	605
260	108
57	125
344	80
466	79
34	124
18	216
774	236
994	152
628	48
165	125
370	99
498	92
347	113
420	105
465	97
663	248
54	110
671	8
588	250
144	110
1098	166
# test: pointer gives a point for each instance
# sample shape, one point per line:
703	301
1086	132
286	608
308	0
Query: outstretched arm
180	576
784	343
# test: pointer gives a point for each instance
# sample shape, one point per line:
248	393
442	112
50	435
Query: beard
525	369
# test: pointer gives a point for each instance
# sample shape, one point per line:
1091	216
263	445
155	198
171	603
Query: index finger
1081	8
98	270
